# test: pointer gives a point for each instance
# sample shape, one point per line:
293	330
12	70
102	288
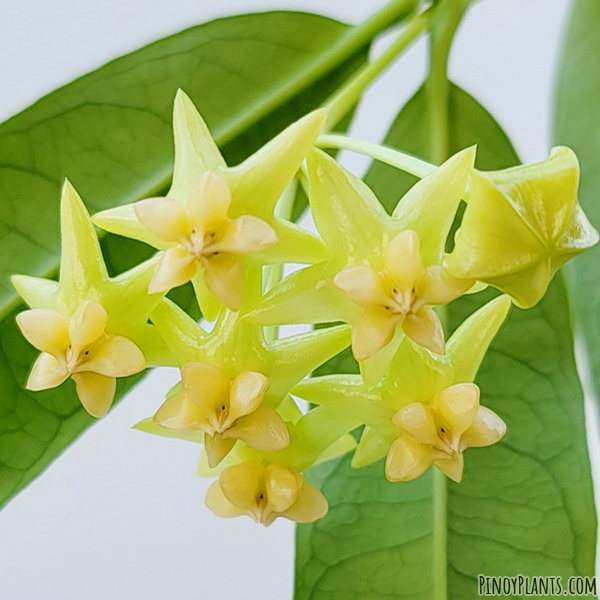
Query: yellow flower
439	432
204	234
265	493
401	294
521	225
79	347
225	410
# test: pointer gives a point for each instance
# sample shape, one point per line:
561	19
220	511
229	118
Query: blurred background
121	514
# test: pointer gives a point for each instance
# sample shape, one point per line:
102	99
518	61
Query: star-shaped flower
218	222
521	225
427	409
384	272
234	378
88	326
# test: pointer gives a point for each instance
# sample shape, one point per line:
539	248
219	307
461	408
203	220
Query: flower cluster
384	277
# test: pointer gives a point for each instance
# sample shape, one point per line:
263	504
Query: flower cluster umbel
385	277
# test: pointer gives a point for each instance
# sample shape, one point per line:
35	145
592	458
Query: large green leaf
110	133
577	124
525	506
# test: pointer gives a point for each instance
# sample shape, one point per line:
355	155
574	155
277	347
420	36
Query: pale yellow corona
439	432
203	234
79	347
265	492
225	410
400	295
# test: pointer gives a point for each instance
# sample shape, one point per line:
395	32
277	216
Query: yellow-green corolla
217	222
88	326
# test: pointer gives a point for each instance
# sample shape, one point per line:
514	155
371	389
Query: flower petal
402	259
45	329
263	430
210	203
165	218
87	325
457	406
407	460
176	267
417	420
247	392
436	287
282	487
206	385
115	356
425	328
226	279
487	429
242	484
179	413
95	391
372	330
216	501
46	373
363	285
310	505
245	235
217	448
452	467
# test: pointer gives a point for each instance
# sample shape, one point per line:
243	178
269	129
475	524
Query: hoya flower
79	347
439	432
225	410
384	272
400	295
218	223
88	326
264	493
427	409
521	225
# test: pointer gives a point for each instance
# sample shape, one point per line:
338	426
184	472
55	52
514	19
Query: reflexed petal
487	429
425	328
263	430
87	325
402	259
226	279
165	218
207	385
245	235
217	448
179	413
372	330
457	406
452	467
417	420
436	287
96	392
242	484
217	502
282	487
115	356
176	267
363	285
46	373
309	506
45	329
210	203
247	391
407	460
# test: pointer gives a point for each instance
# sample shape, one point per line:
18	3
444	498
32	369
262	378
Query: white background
120	515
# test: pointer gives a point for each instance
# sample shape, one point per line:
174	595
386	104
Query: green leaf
577	124
525	506
110	133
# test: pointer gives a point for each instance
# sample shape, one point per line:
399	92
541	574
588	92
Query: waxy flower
88	326
427	409
439	432
384	271
225	410
521	225
79	347
219	222
265	493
